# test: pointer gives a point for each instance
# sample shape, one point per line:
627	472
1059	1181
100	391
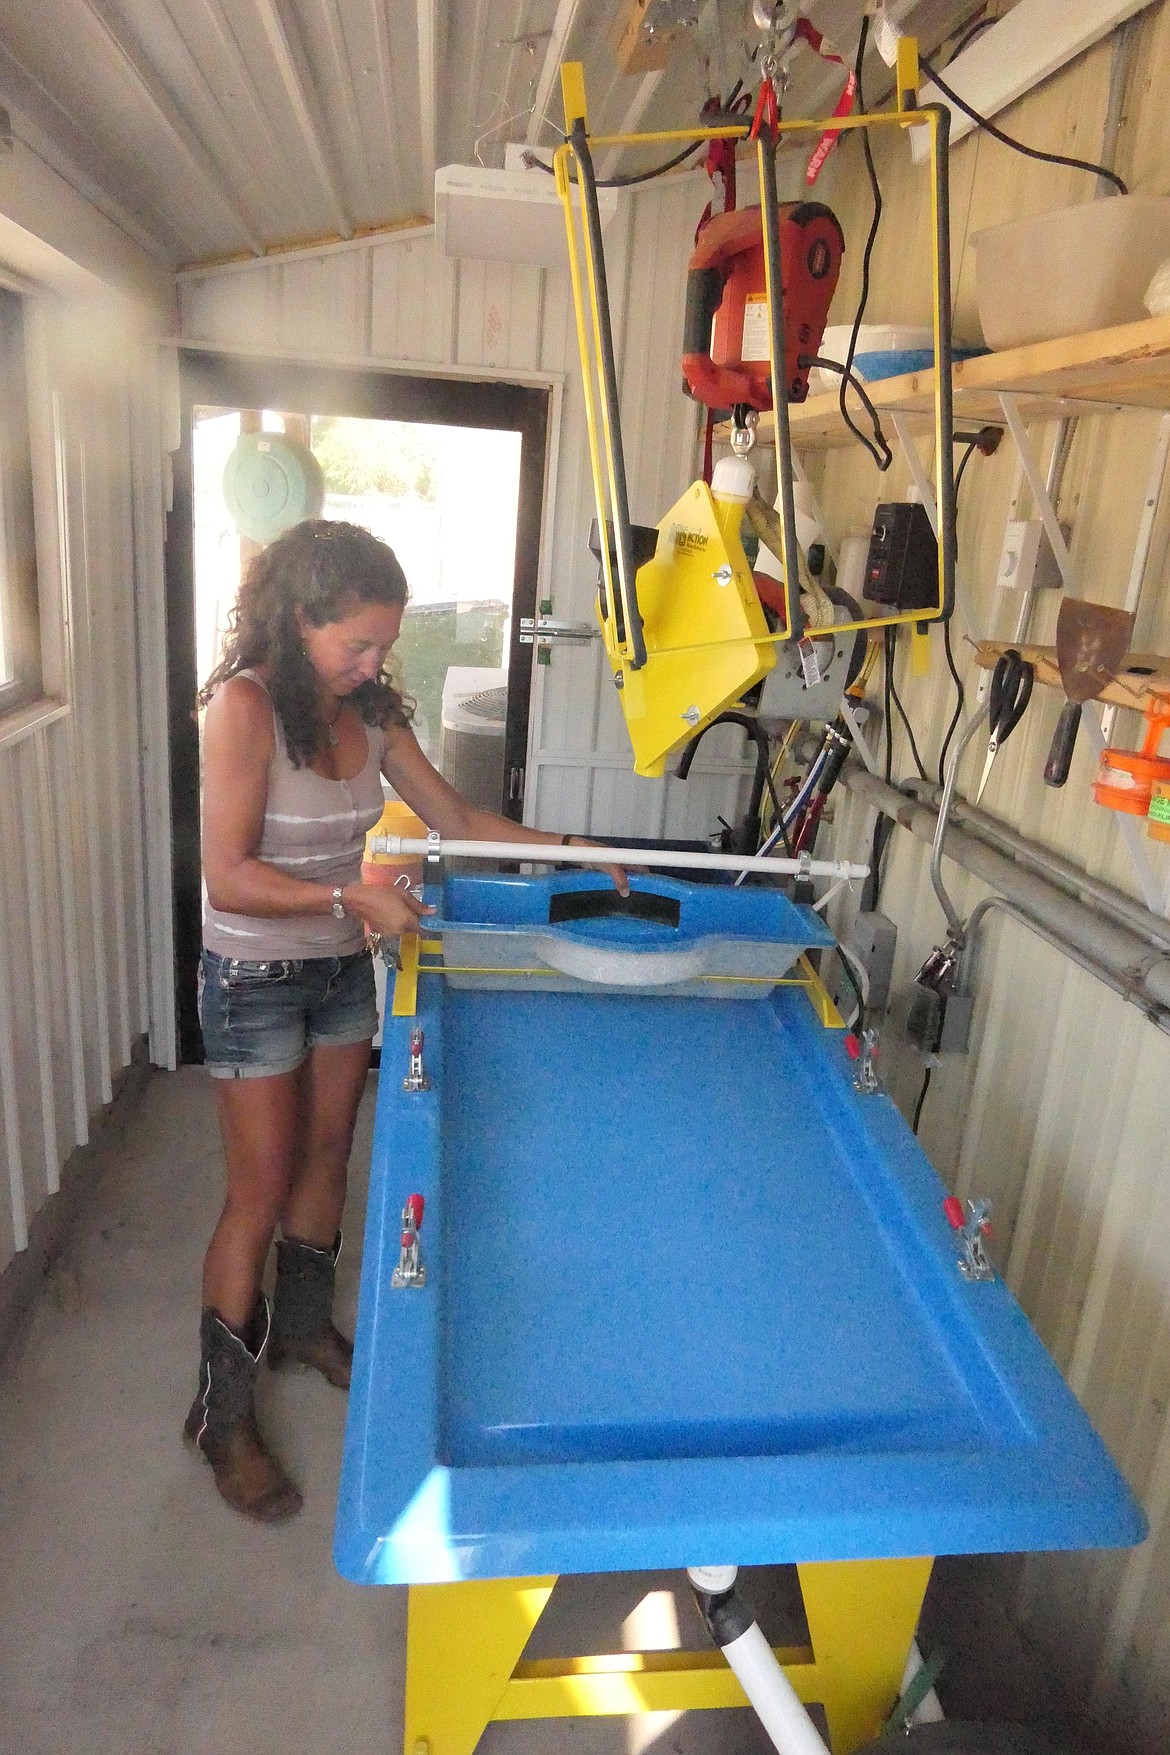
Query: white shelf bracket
921	480
1040	495
1145	536
814	505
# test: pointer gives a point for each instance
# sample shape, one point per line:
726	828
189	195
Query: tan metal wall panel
1058	1114
73	916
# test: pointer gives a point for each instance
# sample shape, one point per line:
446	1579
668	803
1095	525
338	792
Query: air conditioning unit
471	733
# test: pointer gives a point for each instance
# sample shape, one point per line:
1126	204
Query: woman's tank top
314	829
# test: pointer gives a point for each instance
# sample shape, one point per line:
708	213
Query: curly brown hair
322	568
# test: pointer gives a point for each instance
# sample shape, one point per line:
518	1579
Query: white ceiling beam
49	130
562	28
647	86
293	68
48	150
380	200
162	106
428	73
259	124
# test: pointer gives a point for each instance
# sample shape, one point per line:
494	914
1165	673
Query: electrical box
1026	561
901	568
874	939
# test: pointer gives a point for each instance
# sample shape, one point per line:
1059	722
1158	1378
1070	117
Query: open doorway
445	498
450	473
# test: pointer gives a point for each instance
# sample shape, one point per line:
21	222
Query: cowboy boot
222	1420
302	1309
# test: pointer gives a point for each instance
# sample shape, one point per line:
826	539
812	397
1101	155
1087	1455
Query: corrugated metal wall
1058	1114
78	789
396	301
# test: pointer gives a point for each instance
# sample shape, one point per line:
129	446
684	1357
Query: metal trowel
1091	643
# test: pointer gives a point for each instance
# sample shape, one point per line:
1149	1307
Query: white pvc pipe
772	1695
407	847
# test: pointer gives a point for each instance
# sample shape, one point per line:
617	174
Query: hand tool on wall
1091	643
1126	778
1008	697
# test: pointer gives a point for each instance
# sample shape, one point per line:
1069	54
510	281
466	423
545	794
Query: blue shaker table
690	1298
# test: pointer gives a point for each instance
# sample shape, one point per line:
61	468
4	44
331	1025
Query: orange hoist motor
726	351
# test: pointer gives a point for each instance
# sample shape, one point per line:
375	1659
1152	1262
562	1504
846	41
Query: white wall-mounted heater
512	215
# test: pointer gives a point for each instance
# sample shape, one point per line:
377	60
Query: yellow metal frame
465	1667
404	1003
588	322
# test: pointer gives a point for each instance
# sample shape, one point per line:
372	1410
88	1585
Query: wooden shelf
1144	681
1124	367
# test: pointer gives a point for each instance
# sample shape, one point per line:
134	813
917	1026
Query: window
20	645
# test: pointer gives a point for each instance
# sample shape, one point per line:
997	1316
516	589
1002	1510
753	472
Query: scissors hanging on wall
1008	697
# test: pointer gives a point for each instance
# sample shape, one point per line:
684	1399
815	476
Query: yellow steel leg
861	1618
462	1643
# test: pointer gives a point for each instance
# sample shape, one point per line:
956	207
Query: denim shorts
259	1019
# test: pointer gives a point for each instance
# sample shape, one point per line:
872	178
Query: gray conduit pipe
1059	871
1131	964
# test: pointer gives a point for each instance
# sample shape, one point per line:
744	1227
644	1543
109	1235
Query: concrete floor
138	1614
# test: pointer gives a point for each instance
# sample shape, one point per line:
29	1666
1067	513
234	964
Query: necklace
330	733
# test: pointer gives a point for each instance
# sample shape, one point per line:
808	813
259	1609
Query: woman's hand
385	910
617	874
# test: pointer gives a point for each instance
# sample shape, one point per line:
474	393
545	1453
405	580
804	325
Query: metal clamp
544	628
410	1270
864	1050
416	1079
973	1224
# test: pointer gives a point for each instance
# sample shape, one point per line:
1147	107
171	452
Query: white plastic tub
1071	270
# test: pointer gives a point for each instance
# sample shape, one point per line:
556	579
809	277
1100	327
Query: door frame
237	380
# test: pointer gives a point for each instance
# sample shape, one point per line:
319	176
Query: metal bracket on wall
1099	723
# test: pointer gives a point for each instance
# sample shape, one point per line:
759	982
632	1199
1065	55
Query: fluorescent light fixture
1034	40
505	216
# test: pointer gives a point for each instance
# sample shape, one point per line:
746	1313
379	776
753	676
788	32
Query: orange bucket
383	868
1126	778
1159	819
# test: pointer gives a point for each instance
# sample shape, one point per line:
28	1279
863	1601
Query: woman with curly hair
302	721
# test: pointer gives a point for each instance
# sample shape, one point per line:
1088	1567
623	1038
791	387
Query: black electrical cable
534	163
728	111
921	1099
897	699
960	704
855	984
879	449
1048	158
960	691
969	37
883	462
883	828
778	813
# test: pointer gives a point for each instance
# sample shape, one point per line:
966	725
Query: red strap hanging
816	41
830	137
767	110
